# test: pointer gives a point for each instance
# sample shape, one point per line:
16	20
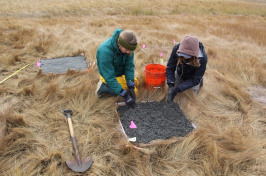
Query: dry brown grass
34	136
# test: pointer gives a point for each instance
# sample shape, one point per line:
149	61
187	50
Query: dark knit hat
126	45
189	47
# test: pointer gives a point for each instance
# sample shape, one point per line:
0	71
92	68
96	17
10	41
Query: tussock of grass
34	135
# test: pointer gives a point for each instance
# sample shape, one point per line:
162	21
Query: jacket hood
114	39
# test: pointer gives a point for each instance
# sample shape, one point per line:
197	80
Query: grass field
230	110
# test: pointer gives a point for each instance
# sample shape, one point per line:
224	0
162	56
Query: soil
154	120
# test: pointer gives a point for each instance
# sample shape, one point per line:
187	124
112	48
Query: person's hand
172	92
131	93
169	94
127	98
131	90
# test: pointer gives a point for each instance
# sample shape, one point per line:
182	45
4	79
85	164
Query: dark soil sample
154	120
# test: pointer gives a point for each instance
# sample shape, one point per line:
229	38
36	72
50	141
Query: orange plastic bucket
155	76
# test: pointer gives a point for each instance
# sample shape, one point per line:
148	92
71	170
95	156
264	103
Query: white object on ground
132	139
194	125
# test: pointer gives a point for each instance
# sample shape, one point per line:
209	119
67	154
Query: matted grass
35	140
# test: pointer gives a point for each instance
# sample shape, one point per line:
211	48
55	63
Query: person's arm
130	68
195	79
171	67
107	71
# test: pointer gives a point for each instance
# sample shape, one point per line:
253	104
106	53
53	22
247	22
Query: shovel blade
85	164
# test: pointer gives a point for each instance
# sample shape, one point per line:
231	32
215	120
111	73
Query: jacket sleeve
171	66
130	68
107	71
198	75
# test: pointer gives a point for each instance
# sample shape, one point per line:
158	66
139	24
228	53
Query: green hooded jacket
112	63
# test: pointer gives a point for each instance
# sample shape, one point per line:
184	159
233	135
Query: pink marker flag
143	46
38	64
132	125
161	54
174	41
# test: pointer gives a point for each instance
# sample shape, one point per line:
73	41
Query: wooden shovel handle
68	114
74	141
70	127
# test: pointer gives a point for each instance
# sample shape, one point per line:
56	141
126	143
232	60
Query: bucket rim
157	66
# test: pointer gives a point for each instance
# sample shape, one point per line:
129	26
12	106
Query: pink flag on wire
143	46
38	64
161	54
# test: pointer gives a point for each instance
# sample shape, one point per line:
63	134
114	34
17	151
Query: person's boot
105	90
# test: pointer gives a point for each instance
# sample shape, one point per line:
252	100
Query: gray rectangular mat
61	65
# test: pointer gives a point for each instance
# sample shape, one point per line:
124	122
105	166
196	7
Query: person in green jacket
115	61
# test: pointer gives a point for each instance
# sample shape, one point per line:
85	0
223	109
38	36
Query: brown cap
189	46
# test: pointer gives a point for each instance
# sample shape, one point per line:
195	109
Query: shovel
78	165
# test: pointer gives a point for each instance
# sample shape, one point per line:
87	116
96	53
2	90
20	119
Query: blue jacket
190	74
112	63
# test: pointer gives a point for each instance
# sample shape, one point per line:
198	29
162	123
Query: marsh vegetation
229	111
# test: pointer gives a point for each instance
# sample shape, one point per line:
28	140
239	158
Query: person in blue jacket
186	67
115	61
